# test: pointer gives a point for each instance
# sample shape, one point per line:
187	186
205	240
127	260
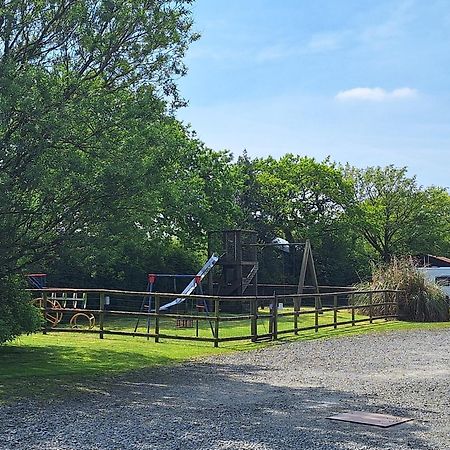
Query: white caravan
440	275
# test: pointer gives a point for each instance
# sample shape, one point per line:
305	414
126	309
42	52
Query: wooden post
196	327
335	311
370	307
45	306
238	256
316	314
275	318
210	273
157	302
102	314
385	307
351	302
254	319
216	321
296	311
397	302
271	315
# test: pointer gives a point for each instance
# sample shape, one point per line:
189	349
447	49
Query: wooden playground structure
232	309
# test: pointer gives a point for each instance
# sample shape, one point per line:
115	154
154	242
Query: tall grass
422	301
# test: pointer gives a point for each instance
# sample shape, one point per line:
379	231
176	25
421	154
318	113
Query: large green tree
398	217
299	198
84	87
86	90
294	195
185	191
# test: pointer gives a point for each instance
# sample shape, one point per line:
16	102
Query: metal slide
189	289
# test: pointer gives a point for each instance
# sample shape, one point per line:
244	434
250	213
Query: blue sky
360	81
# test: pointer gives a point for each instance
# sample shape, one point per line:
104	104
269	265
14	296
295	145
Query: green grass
66	364
227	328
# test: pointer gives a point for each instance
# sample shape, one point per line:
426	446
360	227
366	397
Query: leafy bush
423	300
17	314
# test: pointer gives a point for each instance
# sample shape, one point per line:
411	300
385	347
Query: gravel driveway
274	398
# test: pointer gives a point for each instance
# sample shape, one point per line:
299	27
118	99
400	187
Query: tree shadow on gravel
208	406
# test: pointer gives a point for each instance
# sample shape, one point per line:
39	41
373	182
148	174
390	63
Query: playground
235	306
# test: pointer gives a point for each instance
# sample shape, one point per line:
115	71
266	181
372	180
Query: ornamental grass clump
422	300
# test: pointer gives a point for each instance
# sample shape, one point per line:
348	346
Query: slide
189	289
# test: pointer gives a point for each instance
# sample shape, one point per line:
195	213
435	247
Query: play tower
238	261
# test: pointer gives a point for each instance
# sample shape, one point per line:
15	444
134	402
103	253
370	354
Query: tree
17	315
86	91
299	198
84	86
120	43
186	190
396	216
295	196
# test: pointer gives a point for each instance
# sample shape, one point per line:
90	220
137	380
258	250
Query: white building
438	270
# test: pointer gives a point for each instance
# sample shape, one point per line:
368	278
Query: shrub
423	301
17	314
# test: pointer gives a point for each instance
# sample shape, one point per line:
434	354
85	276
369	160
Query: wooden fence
260	317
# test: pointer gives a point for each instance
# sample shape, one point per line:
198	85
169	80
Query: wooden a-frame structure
307	268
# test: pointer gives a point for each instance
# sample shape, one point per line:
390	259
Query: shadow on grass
63	366
56	370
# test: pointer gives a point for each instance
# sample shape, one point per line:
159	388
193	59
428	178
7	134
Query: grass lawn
59	364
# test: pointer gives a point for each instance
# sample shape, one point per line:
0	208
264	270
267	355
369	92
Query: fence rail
112	312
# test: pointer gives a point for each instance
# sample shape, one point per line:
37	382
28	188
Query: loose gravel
273	398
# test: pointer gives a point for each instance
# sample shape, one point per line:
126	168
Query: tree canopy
84	117
100	183
396	216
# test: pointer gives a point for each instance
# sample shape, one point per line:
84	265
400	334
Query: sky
359	81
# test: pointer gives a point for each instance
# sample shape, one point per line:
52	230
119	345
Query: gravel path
274	398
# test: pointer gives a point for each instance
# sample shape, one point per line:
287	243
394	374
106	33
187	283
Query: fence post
216	321
335	311
45	306
353	309
385	307
157	301
254	319
102	314
370	307
296	310
397	303
275	318
316	314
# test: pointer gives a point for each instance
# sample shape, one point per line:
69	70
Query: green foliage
299	198
17	315
83	114
424	301
396	216
101	184
119	43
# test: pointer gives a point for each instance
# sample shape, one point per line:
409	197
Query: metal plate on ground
366	418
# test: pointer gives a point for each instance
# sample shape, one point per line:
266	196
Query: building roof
436	261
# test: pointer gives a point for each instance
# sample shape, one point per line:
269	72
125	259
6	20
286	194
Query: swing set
195	285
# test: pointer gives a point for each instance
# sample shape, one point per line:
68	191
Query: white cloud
375	94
